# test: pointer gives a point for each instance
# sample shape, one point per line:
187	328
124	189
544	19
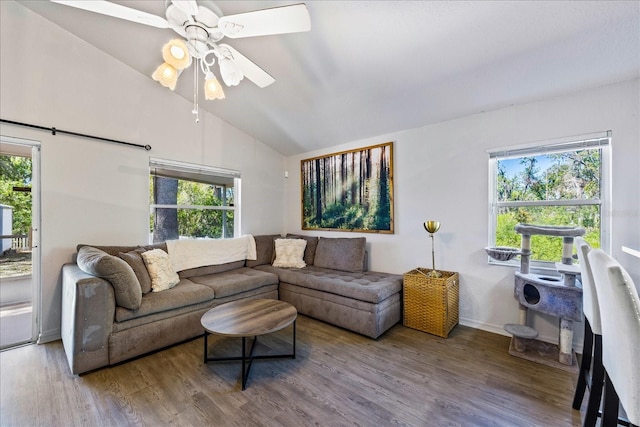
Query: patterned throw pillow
290	253
310	250
160	270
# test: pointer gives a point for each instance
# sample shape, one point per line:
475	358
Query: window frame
203	174
599	140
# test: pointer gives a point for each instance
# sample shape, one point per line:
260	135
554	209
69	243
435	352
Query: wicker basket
431	304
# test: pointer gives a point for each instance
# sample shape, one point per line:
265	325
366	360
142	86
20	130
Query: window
192	201
558	183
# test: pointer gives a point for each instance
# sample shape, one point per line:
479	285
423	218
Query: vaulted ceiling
369	68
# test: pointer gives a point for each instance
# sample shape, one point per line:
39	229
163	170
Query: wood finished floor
339	378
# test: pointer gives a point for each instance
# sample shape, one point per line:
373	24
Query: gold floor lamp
432	227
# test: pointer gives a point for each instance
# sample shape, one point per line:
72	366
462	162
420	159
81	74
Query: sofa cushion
236	281
162	274
341	253
127	290
135	261
310	250
184	294
366	286
210	269
152	246
290	253
264	249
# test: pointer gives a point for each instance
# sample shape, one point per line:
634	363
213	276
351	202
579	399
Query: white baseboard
499	329
55	334
49	336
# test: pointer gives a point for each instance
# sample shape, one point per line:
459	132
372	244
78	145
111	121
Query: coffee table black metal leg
294	340
244	358
246	367
206	334
245	373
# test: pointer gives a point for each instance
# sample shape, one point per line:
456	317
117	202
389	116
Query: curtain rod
53	131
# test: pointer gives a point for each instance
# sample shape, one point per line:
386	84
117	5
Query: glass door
19	250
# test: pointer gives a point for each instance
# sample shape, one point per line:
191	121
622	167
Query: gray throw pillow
111	250
344	254
128	292
135	261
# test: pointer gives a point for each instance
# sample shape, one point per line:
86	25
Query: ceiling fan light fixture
231	75
176	54
201	25
212	87
166	75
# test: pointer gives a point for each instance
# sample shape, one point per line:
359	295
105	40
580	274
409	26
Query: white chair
620	307
592	348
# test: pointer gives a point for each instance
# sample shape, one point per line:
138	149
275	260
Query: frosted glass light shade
212	88
166	75
175	53
230	74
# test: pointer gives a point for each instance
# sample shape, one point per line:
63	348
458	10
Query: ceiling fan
201	26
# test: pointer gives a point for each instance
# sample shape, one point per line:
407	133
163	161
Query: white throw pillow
162	274
290	253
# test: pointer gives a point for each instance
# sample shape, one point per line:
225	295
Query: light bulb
166	75
212	87
175	53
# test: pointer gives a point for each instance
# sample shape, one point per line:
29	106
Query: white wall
96	192
441	172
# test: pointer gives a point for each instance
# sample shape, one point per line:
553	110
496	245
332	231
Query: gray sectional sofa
100	327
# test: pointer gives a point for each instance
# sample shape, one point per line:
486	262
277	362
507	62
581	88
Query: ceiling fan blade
250	70
279	20
117	11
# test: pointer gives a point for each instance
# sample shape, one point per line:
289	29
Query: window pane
547	248
199	194
194	223
204	223
562	176
191	220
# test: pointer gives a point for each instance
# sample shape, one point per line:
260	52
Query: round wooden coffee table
249	318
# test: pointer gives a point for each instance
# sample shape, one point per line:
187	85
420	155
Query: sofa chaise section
334	287
367	303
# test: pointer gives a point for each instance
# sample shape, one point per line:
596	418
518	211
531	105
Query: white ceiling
368	68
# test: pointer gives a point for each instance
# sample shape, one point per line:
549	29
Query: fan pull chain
195	93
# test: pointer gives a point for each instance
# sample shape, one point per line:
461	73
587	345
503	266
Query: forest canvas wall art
349	191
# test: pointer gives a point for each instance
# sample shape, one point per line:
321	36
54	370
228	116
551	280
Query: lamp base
434	273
